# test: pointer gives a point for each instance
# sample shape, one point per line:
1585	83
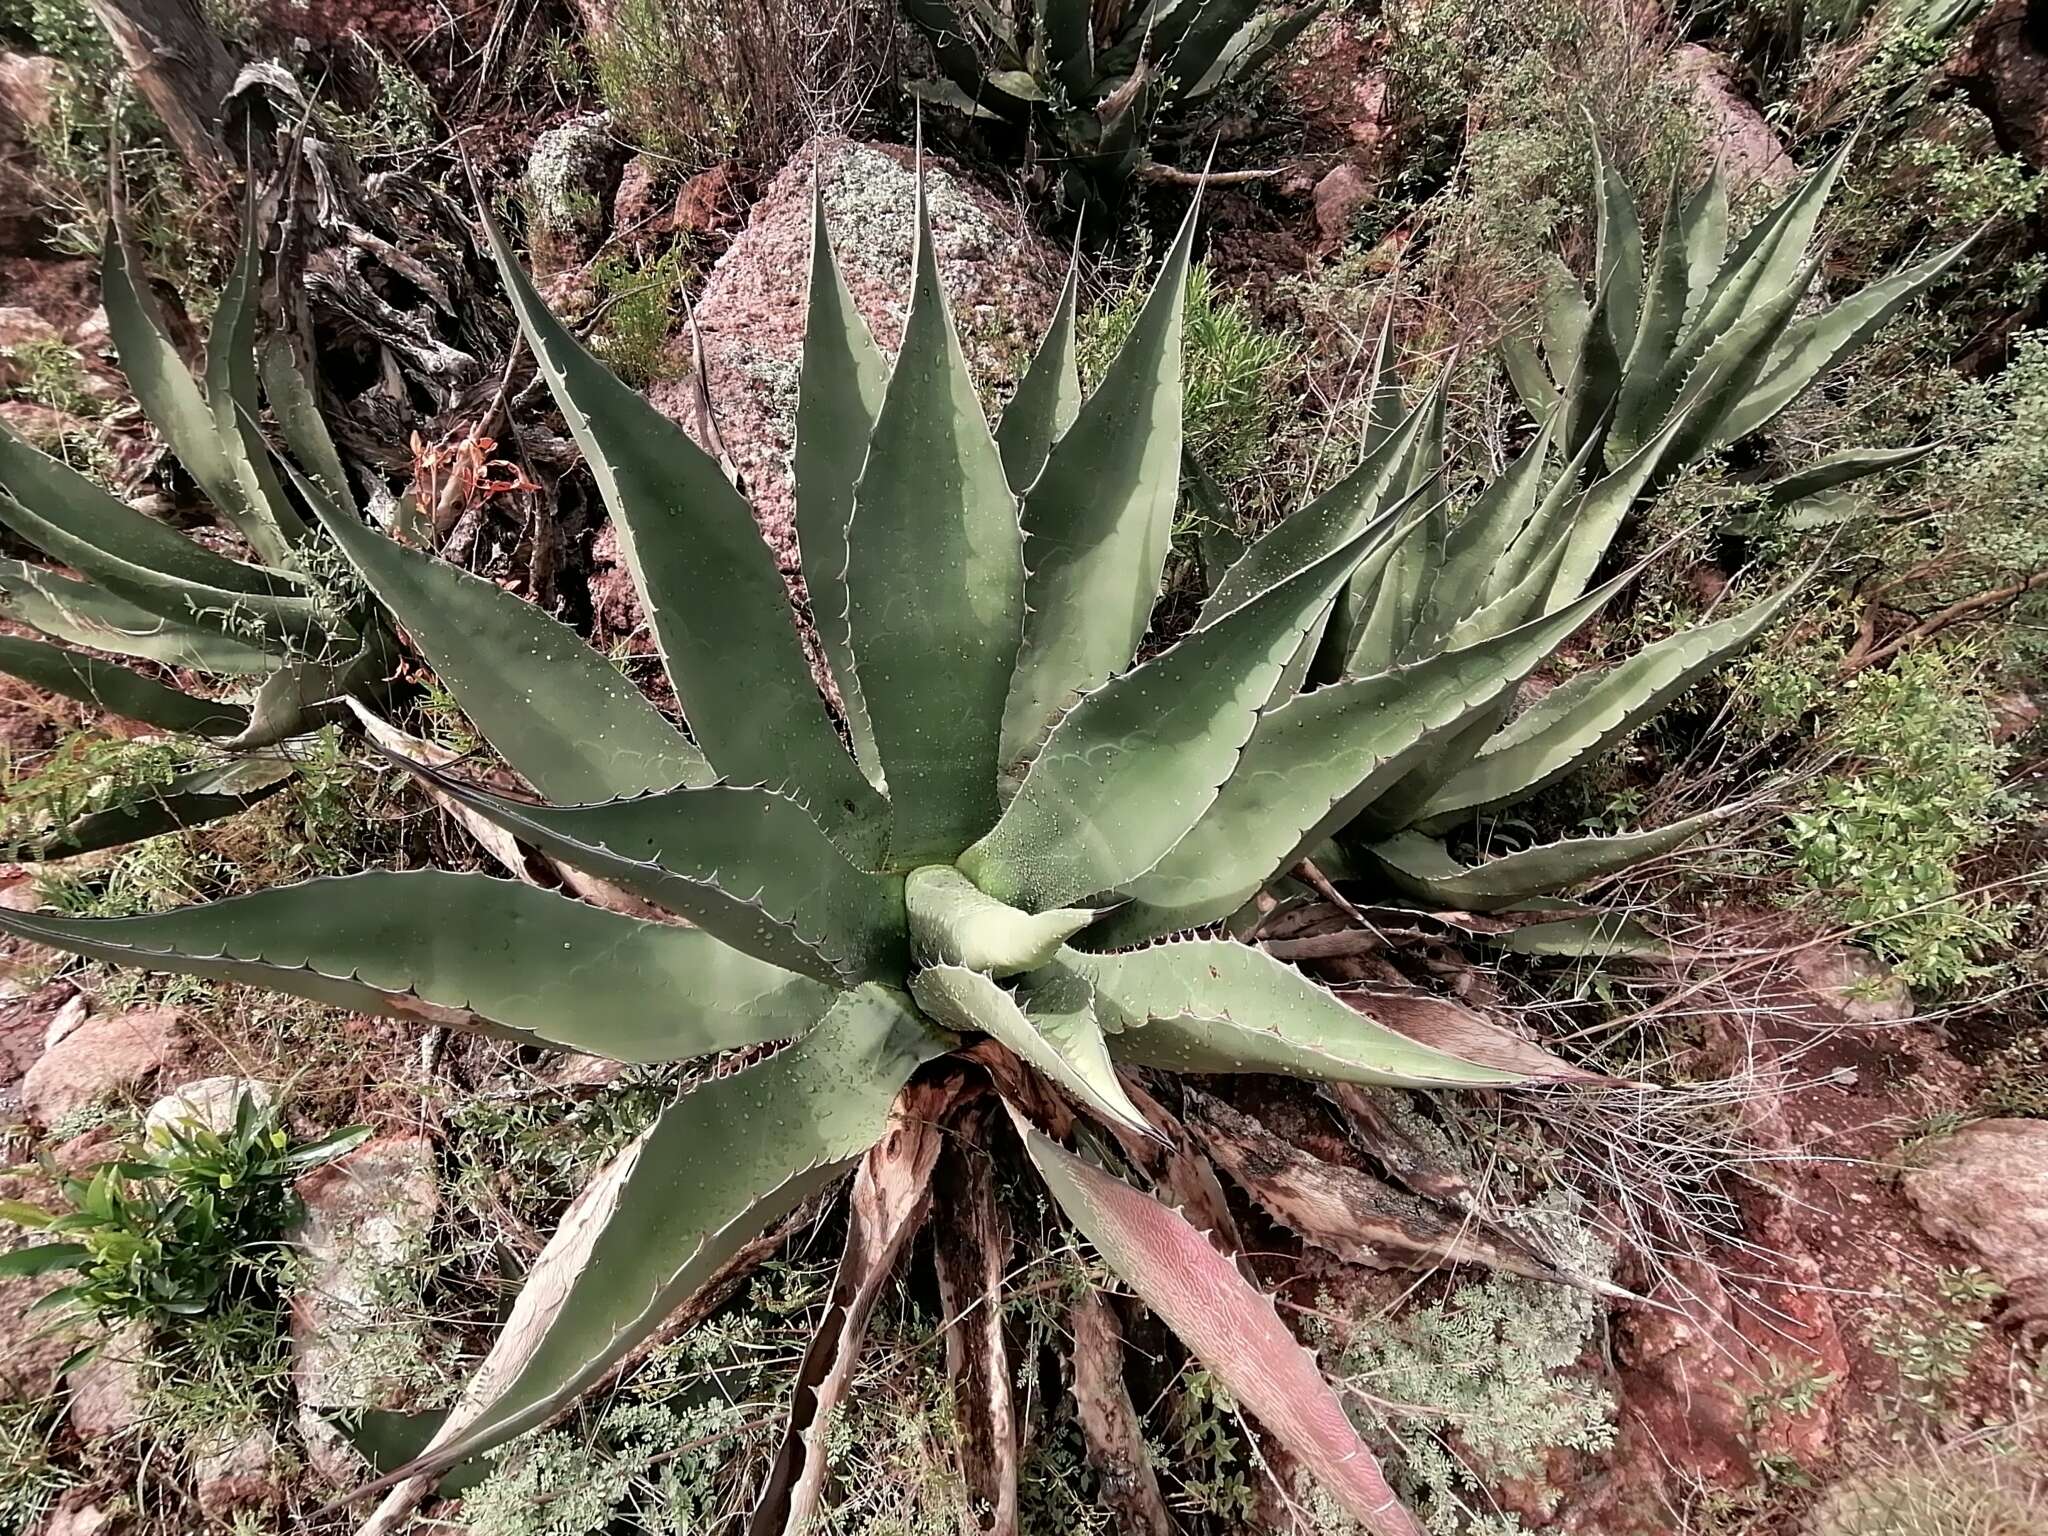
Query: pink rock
101	1056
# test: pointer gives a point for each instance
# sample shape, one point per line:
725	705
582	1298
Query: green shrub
190	1227
1234	370
1919	789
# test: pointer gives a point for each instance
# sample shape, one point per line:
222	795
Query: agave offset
150	594
1094	81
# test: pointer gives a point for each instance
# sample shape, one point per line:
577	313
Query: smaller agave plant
1733	331
927	897
273	627
1096	80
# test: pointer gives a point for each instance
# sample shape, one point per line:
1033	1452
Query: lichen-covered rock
1747	148
102	1056
106	1393
1002	279
570	177
361	1239
209	1102
1985	1189
1852	986
238	1473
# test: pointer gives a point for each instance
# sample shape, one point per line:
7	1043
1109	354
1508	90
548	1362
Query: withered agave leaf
717	1166
1232	1328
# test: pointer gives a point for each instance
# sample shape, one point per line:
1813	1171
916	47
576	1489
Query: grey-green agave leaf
1424	871
1135	764
1048	397
1214	1005
665	1216
953	923
717	607
79	613
1317	761
1579	719
190	799
839	394
1059	1037
1839	469
935	585
114	688
439	947
1098	518
745	863
558	712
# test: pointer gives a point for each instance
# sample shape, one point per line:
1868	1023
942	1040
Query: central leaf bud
954	922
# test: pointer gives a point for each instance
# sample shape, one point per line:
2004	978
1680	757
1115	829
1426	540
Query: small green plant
1487	1387
639	304
1921	787
50	373
1234	371
1932	1340
190	1227
31	1475
1095	85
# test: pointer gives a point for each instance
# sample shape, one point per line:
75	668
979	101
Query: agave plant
274	626
935	888
1095	80
1727	333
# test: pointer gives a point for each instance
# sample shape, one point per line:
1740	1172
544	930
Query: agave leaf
1214	1005
1263	38
719	611
1315	763
210	447
1378	615
839	394
560	713
1618	242
1661	318
935	584
1596	517
664	1217
1099	517
1592	936
307	691
892	1191
953	923
296	408
461	948
1359	499
189	800
952	47
1136	763
1422	870
1482	538
1766	262
79	613
1231	1328
89	515
1066	33
1582	718
112	687
231	393
1538	541
253	617
1839	469
1815	344
1703	232
1530	379
745	863
1060	1038
1048	397
1217	541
